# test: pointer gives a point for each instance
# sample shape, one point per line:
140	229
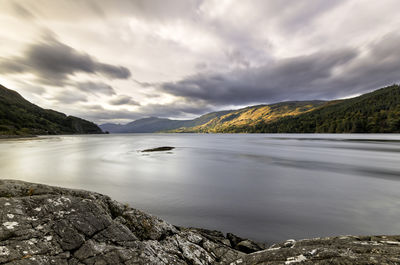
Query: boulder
41	224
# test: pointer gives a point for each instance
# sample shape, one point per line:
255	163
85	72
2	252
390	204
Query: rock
41	224
248	246
244	245
158	149
330	250
233	239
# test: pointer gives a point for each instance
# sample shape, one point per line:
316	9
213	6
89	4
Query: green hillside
20	117
375	112
248	117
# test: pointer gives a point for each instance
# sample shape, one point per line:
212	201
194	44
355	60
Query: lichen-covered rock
330	250
41	224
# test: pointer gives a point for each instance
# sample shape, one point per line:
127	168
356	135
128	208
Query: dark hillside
20	117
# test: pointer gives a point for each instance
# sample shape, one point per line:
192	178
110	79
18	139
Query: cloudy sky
116	61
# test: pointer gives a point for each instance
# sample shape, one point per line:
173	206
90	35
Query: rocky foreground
48	225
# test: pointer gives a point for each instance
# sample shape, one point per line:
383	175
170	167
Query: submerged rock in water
159	149
41	224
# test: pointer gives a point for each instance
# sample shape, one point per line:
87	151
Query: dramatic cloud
68	97
177	109
194	56
53	62
123	100
293	78
96	88
22	11
322	75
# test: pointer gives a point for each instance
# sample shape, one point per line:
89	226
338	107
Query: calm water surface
265	187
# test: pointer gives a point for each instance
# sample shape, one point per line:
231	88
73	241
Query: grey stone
244	245
330	250
41	224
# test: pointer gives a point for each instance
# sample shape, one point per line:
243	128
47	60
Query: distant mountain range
154	124
20	117
216	121
375	112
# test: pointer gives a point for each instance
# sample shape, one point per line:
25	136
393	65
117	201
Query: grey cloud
201	66
156	9
249	46
53	62
237	57
95	9
290	78
322	75
96	88
100	115
117	72
69	97
22	11
377	67
245	66
123	100
10	66
174	110
28	90
143	84
296	15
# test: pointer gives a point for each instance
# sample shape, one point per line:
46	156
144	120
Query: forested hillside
250	116
375	112
20	117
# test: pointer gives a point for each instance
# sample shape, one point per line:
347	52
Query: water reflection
266	187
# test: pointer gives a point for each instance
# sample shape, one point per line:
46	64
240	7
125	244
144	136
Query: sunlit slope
250	116
375	112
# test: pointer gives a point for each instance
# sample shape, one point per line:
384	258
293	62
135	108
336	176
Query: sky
121	60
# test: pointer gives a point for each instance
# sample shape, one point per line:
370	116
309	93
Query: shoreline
43	224
17	136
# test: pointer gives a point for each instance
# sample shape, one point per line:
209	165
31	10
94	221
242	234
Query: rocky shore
49	225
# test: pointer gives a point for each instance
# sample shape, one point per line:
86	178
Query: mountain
215	121
20	117
375	112
146	125
154	124
250	116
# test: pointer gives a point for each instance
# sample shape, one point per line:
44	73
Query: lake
267	187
